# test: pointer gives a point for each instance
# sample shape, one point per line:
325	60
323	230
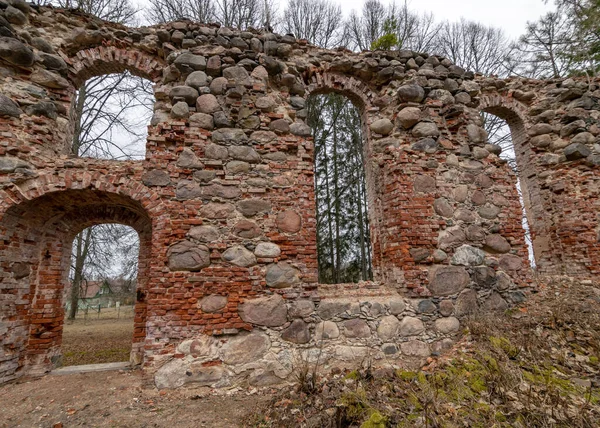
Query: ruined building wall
224	200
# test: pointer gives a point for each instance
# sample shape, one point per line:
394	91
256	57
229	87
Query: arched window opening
100	295
111	114
499	134
343	239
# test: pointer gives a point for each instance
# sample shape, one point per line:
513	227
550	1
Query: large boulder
245	348
9	108
297	332
411	326
186	255
282	275
267	311
239	256
15	52
447	280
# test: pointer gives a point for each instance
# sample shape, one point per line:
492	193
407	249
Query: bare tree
409	30
108	111
362	30
475	47
160	11
240	14
318	21
122	11
101	252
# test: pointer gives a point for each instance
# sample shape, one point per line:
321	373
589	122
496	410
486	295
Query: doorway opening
100	296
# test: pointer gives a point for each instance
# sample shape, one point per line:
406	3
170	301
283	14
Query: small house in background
104	293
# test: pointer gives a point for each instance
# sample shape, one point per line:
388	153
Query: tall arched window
343	239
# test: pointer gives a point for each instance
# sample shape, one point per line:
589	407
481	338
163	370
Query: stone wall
224	201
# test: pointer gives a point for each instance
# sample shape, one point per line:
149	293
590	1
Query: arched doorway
36	254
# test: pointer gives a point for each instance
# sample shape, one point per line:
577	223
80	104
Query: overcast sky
510	15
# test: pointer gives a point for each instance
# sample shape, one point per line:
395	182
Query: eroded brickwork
224	201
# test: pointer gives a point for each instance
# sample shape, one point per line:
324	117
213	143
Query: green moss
376	420
500	417
545	377
594	360
355	403
504	345
354	375
406	375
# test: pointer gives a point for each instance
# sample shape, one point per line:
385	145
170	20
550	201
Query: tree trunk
77	116
83	246
336	276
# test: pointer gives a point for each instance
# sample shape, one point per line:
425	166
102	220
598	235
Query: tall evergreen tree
344	247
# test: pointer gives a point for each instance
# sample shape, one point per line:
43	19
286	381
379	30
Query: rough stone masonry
224	201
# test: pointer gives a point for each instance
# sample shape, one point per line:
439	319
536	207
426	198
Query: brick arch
94	177
357	91
510	110
101	60
39	226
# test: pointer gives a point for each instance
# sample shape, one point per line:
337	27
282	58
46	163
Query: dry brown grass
96	338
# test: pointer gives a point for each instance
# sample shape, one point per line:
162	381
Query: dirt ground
116	399
95	338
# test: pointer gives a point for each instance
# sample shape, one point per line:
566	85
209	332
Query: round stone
467	255
197	79
156	177
282	275
215	210
251	207
382	126
202	120
415	348
408	117
411	326
15	52
326	330
187	256
247	229
447	280
297	332
9	108
466	303
442	207
267	250
213	303
289	221
301	308
245	348
207	103
204	233
185	93
239	256
356	328
411	93
496	243
446	307
268	311
388	327
180	110
425	129
447	325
